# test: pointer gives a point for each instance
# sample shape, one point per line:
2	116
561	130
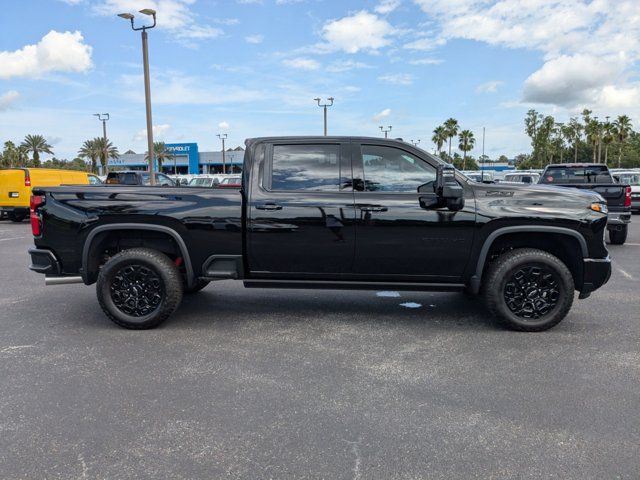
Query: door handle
373	208
268	206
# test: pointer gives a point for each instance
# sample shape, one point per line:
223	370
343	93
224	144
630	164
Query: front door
301	213
397	237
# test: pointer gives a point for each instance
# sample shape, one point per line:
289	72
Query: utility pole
482	162
223	136
147	85
386	131
324	106
103	118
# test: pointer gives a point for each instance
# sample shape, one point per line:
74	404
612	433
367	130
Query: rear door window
306	168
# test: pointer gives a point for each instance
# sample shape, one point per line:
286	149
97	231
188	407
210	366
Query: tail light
627	197
27	178
35	202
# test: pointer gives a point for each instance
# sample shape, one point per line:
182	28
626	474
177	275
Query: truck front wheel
618	237
17	216
528	289
139	288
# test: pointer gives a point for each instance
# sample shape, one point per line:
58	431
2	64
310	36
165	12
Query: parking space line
12	238
625	274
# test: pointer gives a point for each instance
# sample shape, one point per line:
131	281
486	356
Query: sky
252	68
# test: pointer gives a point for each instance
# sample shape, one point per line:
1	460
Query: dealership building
187	159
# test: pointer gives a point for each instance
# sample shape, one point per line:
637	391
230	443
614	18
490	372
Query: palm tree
160	153
452	128
607	138
573	132
592	130
90	151
622	129
439	137
467	142
36	144
105	150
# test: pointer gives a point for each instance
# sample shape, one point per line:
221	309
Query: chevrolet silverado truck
327	213
597	178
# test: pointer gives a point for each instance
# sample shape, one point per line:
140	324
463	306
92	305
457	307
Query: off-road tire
165	273
618	237
196	287
504	269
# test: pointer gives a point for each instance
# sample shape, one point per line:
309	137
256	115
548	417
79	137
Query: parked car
522	177
94	179
16	185
233	181
327	213
135	177
598	178
631	178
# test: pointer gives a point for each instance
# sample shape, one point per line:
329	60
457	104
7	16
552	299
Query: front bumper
597	272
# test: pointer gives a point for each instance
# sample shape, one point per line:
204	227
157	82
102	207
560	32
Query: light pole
223	137
103	118
415	142
385	131
324	106
147	85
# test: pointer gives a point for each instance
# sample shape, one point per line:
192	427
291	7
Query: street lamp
103	118
147	85
324	106
385	131
415	142
223	137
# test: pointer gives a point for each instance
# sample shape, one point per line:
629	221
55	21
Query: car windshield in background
122	178
629	178
201	182
595	174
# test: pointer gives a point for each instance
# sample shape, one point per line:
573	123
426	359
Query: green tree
106	151
607	138
573	133
439	137
451	128
622	131
90	151
160	153
466	143
37	145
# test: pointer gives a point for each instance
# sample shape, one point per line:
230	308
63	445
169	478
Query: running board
354	285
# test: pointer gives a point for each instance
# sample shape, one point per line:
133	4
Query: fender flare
477	276
136	226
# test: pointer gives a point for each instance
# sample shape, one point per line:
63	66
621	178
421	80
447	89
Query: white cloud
489	87
223	125
174	16
255	39
159	132
302	63
346	65
578	38
426	61
362	31
383	114
387	6
397	78
7	99
55	52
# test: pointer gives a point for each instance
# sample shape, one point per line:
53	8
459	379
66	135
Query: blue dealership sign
189	150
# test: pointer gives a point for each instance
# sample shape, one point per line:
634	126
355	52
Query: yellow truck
16	185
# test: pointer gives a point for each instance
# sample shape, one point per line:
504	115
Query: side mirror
448	188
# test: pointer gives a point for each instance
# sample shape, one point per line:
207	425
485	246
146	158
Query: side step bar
62	280
354	285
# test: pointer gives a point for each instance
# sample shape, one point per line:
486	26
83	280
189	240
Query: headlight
599	207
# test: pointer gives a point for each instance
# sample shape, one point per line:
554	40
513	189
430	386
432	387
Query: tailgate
613	194
13	192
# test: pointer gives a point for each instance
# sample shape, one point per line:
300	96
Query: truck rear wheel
139	288
618	237
528	290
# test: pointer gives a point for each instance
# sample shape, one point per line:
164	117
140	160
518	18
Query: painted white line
387	294
411	305
625	274
633	244
16	347
12	238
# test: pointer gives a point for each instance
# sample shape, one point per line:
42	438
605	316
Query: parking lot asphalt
263	384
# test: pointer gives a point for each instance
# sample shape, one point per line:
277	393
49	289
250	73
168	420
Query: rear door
13	191
300	211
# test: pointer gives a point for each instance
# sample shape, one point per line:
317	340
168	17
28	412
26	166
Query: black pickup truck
327	213
597	178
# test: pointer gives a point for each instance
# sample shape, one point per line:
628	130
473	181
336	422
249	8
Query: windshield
591	174
200	182
629	178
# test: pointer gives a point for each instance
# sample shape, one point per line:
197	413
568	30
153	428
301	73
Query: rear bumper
615	219
597	272
44	261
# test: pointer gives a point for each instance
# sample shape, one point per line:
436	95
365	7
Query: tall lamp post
103	118
147	85
324	106
223	137
415	142
388	129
